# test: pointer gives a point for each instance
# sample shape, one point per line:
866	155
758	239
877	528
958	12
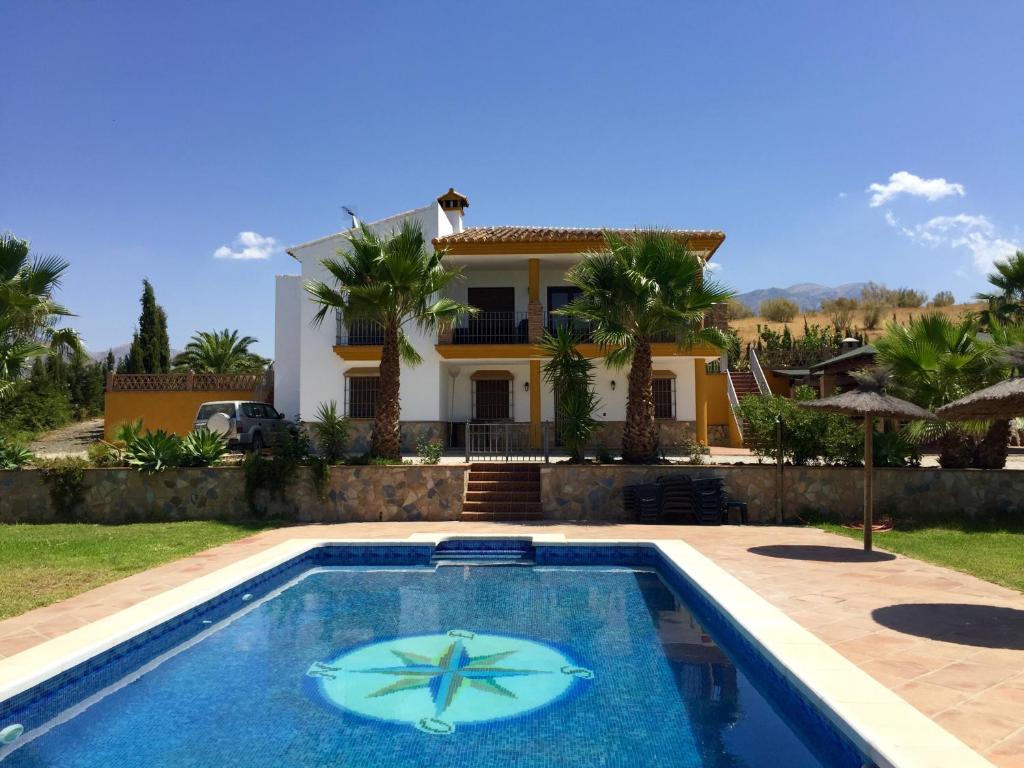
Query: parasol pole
869	471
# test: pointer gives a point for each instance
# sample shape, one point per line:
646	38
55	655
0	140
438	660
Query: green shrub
106	455
366	460
943	299
872	315
429	451
695	451
13	455
154	452
909	298
275	472
893	449
331	432
201	448
65	479
31	408
737	310
808	437
779	310
840	311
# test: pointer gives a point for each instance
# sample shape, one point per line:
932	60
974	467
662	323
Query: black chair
643	502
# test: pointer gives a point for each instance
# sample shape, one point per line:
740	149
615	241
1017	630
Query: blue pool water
449	666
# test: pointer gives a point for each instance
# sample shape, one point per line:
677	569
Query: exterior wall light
526	386
613	385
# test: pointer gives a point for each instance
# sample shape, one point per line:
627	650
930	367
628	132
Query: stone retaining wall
397	493
371	493
595	492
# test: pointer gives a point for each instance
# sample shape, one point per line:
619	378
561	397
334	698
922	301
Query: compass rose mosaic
435	682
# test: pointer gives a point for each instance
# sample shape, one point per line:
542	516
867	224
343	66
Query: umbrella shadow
984	626
820	554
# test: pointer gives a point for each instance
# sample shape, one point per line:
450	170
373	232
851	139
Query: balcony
492	328
361	333
582	329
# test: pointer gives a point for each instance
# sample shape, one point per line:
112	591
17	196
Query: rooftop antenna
350	212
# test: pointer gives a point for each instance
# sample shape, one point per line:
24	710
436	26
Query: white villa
487	371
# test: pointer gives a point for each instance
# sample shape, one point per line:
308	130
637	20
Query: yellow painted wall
718	399
779	385
169	411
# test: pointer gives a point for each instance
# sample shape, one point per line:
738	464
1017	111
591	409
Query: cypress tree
154	345
134	360
110	363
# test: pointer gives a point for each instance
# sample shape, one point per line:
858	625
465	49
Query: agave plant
331	432
154	451
13	456
201	448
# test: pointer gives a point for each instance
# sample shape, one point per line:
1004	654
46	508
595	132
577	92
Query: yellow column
534	279
535	437
700	391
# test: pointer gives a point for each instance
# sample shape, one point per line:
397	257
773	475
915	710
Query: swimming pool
461	653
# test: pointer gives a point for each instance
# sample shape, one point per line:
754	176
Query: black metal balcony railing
493	328
582	329
360	333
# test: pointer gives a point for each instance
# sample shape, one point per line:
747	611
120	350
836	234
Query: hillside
808	296
747	328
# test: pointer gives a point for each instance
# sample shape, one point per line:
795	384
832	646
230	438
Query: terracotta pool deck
950	644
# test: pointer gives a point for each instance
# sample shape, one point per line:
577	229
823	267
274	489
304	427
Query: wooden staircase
507	492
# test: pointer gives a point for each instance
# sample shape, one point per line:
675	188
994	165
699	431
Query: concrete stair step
503	496
501	517
504	486
502	507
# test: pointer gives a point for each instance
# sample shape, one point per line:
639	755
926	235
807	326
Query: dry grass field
747	328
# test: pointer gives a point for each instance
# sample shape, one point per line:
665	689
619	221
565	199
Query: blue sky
137	139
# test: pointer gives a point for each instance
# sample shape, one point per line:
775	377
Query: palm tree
389	281
28	313
570	376
642	287
1006	303
934	361
219	352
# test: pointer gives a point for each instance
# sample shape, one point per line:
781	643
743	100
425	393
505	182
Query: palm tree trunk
956	450
991	450
640	435
386	439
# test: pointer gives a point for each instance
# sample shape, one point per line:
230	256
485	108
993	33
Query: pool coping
881	724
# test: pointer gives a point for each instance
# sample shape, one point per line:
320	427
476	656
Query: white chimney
453	204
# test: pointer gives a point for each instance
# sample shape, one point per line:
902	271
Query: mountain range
808	296
99	355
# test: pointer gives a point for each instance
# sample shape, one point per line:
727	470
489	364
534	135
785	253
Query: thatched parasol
869	401
1004	400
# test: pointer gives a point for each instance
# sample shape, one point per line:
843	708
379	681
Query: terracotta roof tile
552	234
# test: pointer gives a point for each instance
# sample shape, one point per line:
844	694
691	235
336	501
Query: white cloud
842	194
712	266
905	183
976	233
248	246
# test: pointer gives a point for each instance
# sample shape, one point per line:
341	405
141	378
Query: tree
150	351
110	364
571	377
219	352
935	360
29	315
1006	302
391	281
644	286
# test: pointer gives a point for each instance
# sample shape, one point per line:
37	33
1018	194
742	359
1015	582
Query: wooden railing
189	381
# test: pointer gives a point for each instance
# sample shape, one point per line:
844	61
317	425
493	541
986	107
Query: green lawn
989	551
41	564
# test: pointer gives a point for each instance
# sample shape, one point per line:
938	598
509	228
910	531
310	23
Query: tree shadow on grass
820	554
984	626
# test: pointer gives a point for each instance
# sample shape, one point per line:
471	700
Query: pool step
484	552
503	492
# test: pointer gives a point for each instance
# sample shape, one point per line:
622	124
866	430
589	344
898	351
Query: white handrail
734	403
758	371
